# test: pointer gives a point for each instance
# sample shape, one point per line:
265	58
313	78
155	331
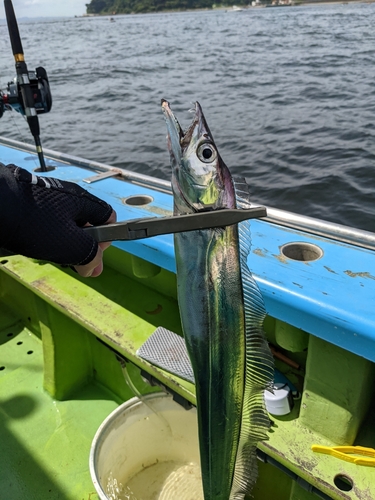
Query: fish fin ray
259	365
241	189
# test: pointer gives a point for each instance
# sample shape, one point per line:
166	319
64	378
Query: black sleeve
41	217
9	205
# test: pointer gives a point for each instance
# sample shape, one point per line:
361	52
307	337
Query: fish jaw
200	178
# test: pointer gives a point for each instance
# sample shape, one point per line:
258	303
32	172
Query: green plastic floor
45	444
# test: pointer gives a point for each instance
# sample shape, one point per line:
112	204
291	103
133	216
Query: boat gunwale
337	232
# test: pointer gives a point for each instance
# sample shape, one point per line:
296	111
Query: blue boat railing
330	230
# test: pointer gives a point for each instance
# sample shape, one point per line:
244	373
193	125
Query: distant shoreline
329	2
311	3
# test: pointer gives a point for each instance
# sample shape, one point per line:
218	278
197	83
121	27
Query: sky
48	8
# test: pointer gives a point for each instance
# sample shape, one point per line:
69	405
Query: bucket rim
102	430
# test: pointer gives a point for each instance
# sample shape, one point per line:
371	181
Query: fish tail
258	365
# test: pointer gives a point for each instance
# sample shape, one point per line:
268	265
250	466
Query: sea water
288	94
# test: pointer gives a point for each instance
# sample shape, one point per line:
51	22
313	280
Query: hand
43	218
95	267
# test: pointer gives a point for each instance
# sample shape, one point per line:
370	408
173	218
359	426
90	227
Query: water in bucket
147	452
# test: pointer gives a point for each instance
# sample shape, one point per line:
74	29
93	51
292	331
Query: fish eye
206	152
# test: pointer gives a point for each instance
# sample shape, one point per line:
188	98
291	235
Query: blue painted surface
332	298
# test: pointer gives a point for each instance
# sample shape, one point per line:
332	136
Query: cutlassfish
222	313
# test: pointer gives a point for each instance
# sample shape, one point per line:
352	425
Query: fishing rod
29	93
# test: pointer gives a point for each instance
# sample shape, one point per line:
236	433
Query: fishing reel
12	98
29	93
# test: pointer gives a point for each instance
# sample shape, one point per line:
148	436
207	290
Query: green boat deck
44	442
60	378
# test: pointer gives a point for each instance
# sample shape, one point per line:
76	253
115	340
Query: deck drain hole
2	368
305	252
3	261
19	343
343	483
137	200
30	352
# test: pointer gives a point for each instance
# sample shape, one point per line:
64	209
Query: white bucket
147	452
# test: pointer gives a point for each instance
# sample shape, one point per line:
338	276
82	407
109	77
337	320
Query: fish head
200	178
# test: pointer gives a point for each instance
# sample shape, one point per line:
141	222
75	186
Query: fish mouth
178	142
175	131
172	122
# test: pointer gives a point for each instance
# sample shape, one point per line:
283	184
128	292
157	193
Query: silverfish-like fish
222	313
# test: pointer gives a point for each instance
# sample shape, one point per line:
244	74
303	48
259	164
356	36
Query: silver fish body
221	318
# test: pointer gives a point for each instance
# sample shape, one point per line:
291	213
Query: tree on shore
128	6
99	6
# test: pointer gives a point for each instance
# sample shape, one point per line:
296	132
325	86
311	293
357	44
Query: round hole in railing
302	251
2	368
30	352
343	483
9	334
3	261
138	200
19	343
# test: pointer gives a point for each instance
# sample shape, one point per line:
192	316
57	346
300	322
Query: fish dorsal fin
259	364
242	192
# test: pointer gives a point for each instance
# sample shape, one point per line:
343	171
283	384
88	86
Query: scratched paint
360	275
